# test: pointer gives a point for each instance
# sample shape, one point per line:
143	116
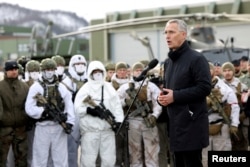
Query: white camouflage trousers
143	140
219	142
50	138
102	142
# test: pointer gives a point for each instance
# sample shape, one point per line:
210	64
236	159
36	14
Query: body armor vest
115	84
141	98
52	95
238	95
214	101
78	83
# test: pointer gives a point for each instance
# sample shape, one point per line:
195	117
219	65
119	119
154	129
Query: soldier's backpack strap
67	87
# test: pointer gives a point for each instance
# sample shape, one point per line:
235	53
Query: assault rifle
55	113
106	114
142	108
217	106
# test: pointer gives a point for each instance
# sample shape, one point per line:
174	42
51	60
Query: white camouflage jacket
35	111
229	97
93	89
152	92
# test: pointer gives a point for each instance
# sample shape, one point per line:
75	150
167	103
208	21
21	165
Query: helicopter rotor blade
157	19
237	17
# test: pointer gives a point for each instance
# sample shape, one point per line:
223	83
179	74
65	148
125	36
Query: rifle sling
102	95
136	112
217	121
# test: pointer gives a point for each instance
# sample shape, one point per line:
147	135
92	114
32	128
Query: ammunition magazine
142	109
106	114
55	113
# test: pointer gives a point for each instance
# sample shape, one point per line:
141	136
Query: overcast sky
94	9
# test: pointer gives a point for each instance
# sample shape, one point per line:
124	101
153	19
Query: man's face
80	67
237	69
48	74
243	65
174	37
137	72
110	73
228	74
217	70
13	73
121	73
248	68
212	72
128	72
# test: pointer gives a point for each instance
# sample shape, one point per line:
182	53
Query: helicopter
225	53
42	45
201	38
145	41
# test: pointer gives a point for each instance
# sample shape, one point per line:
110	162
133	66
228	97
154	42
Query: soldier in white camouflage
32	70
244	117
240	142
142	119
223	114
97	132
77	77
50	103
119	78
60	67
110	68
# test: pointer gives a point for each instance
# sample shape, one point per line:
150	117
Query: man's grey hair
181	24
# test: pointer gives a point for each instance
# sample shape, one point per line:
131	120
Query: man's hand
152	120
68	128
45	113
233	131
95	112
242	116
166	97
116	126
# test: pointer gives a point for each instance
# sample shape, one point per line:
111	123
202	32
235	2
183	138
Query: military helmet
137	65
110	66
20	69
32	66
120	65
144	62
48	64
228	65
22	61
60	61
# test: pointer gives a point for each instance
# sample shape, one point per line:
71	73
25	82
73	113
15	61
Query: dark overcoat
13	93
187	74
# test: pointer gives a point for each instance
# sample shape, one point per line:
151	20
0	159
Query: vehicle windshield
225	54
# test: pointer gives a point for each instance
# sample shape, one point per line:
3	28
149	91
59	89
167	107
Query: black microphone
150	66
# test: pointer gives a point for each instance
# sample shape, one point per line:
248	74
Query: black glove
63	116
95	112
68	128
116	126
45	114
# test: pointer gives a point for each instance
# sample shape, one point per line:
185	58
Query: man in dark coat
186	85
13	119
